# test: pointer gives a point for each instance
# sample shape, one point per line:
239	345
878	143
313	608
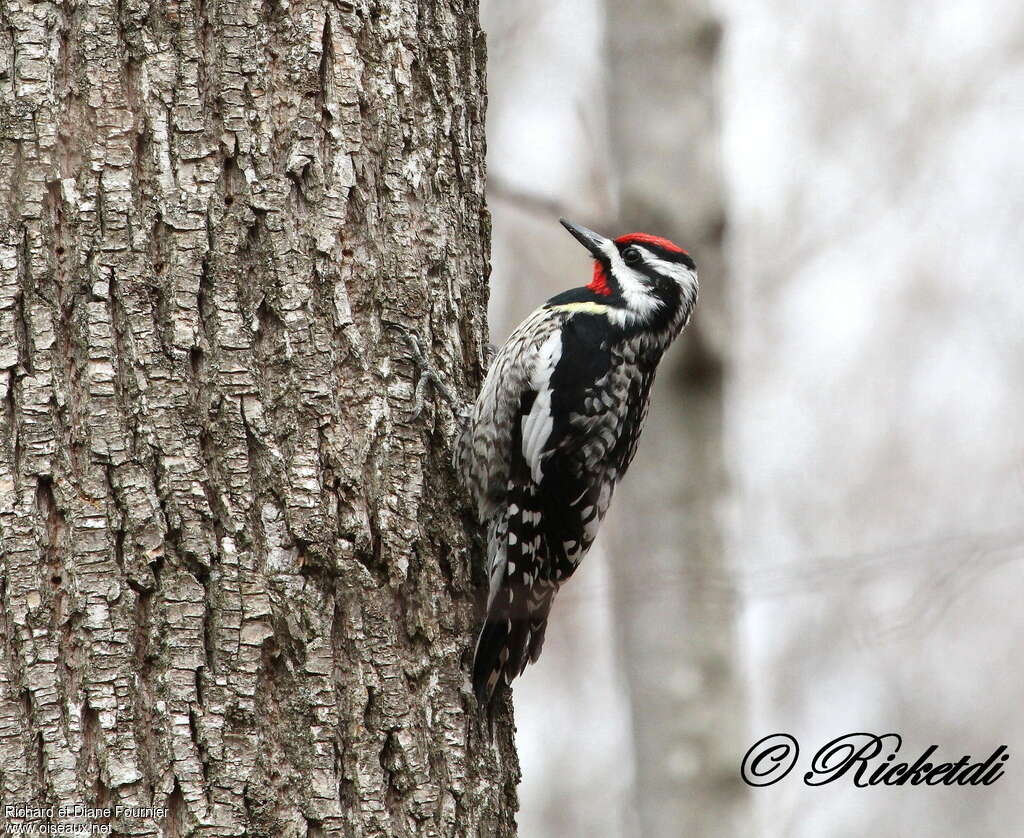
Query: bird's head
649	279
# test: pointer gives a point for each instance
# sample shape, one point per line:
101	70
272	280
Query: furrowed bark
237	579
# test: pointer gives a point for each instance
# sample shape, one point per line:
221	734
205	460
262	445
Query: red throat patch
647	238
599	284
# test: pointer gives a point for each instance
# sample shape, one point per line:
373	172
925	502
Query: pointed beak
592	241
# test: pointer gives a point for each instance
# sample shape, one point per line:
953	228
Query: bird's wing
483	454
556	487
575	466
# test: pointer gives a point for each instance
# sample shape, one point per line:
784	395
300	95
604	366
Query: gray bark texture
674	595
238	583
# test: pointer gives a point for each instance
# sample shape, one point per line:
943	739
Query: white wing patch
538	422
482	453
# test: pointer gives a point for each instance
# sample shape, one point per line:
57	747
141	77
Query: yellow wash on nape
590	308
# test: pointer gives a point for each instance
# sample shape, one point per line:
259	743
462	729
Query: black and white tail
519	598
512	637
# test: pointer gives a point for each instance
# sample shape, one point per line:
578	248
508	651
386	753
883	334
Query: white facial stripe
681	274
635	286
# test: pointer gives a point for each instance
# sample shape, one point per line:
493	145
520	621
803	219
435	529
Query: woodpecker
555	427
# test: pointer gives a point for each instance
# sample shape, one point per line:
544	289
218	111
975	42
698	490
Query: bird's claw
428	374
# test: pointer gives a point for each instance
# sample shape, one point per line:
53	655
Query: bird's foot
428	376
490	350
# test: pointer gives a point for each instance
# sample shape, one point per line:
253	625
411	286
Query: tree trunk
676	605
238	585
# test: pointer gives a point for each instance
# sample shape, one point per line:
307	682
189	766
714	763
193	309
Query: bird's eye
631	256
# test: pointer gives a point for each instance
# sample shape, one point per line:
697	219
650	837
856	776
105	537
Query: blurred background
823	531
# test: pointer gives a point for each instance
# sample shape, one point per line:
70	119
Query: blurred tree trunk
676	609
235	574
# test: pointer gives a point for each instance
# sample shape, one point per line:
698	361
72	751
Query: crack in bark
25	287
